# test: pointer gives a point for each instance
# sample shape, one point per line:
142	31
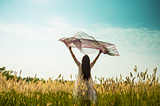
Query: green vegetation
17	91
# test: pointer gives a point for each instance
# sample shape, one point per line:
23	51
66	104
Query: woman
84	89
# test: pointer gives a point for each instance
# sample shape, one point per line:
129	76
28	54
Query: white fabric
86	44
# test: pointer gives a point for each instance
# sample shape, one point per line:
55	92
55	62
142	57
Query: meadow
141	90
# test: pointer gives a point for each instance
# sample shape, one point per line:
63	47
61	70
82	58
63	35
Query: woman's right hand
70	48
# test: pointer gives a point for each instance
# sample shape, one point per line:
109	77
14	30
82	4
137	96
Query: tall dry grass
143	89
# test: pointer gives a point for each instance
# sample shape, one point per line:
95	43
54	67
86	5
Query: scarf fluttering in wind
83	41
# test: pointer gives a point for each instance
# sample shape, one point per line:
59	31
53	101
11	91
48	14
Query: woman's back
84	89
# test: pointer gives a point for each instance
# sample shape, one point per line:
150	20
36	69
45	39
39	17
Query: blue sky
30	30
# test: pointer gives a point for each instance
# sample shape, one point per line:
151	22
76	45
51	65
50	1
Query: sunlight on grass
18	92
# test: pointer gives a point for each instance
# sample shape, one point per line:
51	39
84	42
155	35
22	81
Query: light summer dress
83	89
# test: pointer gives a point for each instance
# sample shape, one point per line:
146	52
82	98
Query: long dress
84	89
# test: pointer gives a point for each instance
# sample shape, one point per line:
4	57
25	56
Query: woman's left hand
100	51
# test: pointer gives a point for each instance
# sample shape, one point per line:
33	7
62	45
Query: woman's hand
70	48
100	51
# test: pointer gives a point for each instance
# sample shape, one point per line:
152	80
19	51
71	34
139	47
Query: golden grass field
141	90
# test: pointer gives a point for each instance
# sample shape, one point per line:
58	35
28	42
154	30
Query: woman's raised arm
94	61
74	57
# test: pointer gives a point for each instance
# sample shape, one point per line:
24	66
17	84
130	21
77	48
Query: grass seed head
138	75
11	72
157	80
141	74
59	76
133	79
155	70
131	74
20	72
48	103
153	79
146	71
135	69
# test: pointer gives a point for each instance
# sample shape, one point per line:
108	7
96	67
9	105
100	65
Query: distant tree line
9	75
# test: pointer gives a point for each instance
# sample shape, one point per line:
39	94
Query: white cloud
136	47
140	39
129	37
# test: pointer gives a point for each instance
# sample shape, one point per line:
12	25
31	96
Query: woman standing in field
84	89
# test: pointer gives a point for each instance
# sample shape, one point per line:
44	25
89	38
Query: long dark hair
86	67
